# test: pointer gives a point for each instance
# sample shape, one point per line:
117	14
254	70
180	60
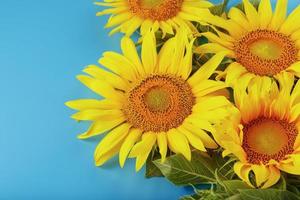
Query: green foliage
212	170
182	172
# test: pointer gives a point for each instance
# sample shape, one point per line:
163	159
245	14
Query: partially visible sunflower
151	101
168	15
262	42
264	132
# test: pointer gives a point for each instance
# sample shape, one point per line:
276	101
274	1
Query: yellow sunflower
168	15
264	133
262	42
152	100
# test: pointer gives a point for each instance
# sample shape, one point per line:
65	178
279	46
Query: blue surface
43	46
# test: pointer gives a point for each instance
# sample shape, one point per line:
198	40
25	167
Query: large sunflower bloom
264	134
151	101
129	15
262	42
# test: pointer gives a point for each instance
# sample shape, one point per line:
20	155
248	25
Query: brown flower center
268	138
159	103
265	52
160	10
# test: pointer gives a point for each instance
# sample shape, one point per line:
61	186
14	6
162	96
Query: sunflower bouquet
206	97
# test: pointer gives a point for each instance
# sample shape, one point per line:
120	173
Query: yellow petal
235	149
111	78
213	48
234	72
143	146
205	138
100	87
265	13
119	65
216	39
294	68
208	86
166	27
165	53
239	17
112	11
290	168
279	14
178	143
295	113
97	114
179	50
251	14
242	171
207	69
118	19
110	141
261	174
129	51
84	104
195	141
133	136
149	54
106	156
146	26
100	127
142	149
273	178
163	145
186	65
289	26
297	141
130	26
210	103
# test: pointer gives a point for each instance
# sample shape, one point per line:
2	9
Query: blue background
43	46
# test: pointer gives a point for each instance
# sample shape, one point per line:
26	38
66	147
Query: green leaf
205	195
201	169
233	186
152	170
267	194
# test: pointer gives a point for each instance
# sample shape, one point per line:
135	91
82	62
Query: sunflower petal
100	87
279	14
273	178
261	174
149	54
207	69
84	104
265	13
110	141
142	149
251	14
178	143
100	127
133	136
163	145
129	51
195	141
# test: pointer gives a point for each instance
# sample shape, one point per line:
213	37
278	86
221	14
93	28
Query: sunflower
152	100
261	42
264	132
167	15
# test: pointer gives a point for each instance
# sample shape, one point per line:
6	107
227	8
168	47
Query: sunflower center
159	10
268	138
151	3
159	103
265	52
266	49
158	99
